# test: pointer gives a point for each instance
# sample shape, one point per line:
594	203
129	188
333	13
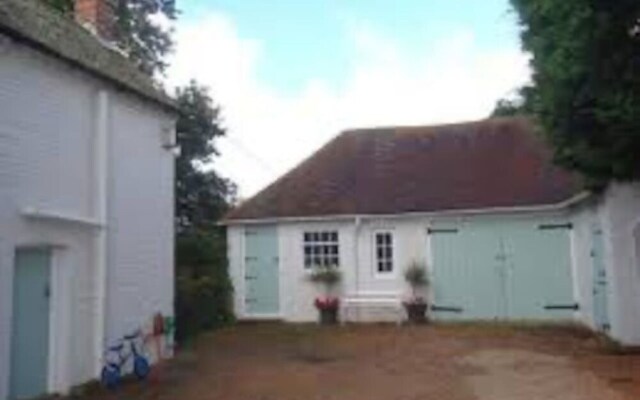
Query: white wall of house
617	213
357	256
48	114
621	220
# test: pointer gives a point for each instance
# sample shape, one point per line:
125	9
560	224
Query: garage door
261	271
502	269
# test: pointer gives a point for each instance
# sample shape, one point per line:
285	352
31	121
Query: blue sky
289	75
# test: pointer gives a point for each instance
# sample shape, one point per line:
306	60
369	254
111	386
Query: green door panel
600	300
30	324
501	269
538	264
262	294
465	282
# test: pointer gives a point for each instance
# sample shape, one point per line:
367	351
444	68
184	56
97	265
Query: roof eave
167	103
578	198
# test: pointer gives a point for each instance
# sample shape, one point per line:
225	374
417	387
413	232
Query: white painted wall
617	211
621	211
357	262
47	113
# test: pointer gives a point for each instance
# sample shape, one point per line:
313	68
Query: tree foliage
65	6
203	287
202	196
138	30
586	82
140	34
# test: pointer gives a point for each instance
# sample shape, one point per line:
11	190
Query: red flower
327	303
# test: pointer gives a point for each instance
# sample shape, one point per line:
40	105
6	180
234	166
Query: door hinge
250	300
446	308
568	225
248	258
431	231
574	306
249	277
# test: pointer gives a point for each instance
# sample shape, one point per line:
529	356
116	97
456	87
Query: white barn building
86	199
503	232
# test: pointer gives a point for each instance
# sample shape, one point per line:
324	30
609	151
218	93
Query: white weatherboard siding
140	223
47	198
357	256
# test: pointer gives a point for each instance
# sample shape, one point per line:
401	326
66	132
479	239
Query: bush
203	287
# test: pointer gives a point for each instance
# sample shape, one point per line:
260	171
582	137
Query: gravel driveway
457	362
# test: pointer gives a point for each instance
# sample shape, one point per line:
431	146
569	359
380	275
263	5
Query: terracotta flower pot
328	316
416	312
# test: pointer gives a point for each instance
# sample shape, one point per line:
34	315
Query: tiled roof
492	163
35	24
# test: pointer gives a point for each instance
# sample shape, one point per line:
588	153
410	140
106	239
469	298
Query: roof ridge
435	127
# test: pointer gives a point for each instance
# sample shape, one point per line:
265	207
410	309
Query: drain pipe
357	223
100	192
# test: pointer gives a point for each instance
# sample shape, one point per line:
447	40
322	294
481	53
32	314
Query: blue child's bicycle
118	355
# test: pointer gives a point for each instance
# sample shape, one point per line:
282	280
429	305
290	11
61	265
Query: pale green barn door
538	264
502	269
466	278
262	291
600	301
30	324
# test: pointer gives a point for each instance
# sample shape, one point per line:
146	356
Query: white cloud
270	132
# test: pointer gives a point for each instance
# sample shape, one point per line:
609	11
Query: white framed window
321	249
383	245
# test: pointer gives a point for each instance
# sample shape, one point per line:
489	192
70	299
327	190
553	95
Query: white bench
372	300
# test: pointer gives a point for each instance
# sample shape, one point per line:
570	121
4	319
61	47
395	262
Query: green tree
586	82
203	287
138	31
141	36
202	196
66	6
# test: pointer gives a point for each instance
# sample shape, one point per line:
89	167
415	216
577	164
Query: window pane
307	237
387	252
334	236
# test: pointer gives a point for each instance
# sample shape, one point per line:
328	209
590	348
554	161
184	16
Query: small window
384	252
321	249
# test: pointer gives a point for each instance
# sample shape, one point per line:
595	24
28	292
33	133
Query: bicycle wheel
110	376
141	367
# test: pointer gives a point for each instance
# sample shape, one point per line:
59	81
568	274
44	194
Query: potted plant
328	304
416	305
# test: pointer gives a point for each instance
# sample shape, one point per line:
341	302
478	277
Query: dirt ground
371	362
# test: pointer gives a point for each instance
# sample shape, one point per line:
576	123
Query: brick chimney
98	16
